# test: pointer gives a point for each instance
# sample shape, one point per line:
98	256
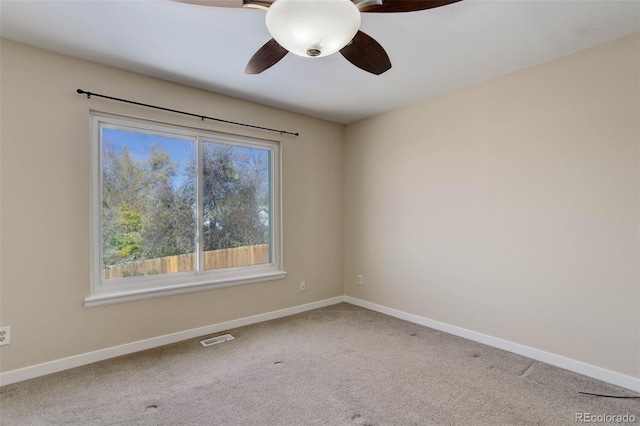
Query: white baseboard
43	369
579	367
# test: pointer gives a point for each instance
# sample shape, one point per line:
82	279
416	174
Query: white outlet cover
6	333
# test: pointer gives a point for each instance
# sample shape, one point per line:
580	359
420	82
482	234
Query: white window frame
136	288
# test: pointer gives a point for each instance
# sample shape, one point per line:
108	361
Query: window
177	209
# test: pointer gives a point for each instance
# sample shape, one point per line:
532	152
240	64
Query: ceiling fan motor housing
313	28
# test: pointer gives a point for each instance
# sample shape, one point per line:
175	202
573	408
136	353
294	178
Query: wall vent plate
216	340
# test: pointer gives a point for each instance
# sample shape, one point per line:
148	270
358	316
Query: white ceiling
432	51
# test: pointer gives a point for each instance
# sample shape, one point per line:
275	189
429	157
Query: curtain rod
202	117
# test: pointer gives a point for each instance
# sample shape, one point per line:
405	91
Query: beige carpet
341	365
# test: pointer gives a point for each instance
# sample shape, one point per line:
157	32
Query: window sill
121	296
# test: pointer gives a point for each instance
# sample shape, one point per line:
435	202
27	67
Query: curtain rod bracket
202	117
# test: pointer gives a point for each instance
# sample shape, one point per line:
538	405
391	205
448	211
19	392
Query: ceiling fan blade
367	54
267	56
258	4
388	6
215	3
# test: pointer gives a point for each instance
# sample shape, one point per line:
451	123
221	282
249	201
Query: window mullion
200	209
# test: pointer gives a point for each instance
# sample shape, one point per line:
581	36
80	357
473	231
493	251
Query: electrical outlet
5	335
360	279
303	286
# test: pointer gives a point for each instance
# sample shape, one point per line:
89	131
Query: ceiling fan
316	28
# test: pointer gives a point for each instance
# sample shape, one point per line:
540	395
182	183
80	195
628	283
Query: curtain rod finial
82	92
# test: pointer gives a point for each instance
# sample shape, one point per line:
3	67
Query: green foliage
122	209
128	238
232	200
171	227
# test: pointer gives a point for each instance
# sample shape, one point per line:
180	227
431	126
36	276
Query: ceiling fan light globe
303	26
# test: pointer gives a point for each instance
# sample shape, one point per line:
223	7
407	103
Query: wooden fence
215	259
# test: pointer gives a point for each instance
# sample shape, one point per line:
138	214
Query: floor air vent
216	340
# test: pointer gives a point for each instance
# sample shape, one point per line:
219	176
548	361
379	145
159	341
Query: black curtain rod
202	117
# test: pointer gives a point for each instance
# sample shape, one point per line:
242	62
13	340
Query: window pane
148	204
236	205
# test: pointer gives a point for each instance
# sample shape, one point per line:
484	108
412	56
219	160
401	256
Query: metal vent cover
216	340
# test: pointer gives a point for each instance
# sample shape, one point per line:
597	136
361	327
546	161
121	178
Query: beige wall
45	209
510	208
